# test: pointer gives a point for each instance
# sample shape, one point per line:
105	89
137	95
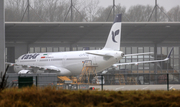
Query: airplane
72	62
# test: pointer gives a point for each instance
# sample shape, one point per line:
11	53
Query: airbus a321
72	63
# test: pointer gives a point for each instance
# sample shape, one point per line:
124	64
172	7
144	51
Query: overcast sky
167	4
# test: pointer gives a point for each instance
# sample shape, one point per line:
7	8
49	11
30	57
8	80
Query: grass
51	97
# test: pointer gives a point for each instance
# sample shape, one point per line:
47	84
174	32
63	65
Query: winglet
170	53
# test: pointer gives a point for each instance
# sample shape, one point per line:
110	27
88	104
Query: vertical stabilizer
113	41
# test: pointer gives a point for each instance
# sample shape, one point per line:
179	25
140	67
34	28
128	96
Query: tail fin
113	41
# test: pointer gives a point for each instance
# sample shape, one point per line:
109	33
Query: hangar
137	37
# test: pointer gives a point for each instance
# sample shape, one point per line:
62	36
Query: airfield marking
138	87
145	87
171	87
119	88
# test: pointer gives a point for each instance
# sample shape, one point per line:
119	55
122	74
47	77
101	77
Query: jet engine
25	72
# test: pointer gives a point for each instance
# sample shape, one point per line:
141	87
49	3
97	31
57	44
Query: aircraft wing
146	53
9	63
54	68
136	63
61	70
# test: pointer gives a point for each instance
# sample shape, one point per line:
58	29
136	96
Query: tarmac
136	87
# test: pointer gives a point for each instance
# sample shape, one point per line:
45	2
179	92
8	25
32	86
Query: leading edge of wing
135	63
9	63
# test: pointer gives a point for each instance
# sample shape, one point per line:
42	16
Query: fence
105	79
131	79
38	79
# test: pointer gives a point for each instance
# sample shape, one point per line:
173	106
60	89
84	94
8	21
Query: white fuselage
74	61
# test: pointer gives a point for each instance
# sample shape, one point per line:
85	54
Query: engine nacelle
24	72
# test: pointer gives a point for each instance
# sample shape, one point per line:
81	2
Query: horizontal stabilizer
99	54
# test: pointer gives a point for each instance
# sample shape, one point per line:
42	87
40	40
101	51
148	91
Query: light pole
2	36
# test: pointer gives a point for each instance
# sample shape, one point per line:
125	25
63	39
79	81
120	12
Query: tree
139	13
174	14
14	9
90	7
106	14
83	10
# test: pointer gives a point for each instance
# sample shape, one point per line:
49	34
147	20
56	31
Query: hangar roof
91	32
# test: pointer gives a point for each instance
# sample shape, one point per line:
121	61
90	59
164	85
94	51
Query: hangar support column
2	37
155	64
155	57
71	47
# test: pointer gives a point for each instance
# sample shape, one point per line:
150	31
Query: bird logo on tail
114	35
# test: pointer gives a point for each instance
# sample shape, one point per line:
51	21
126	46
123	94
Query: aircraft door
94	60
64	60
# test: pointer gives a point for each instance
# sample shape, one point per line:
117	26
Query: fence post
101	82
167	82
36	80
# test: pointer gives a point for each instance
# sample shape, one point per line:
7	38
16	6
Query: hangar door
10	55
